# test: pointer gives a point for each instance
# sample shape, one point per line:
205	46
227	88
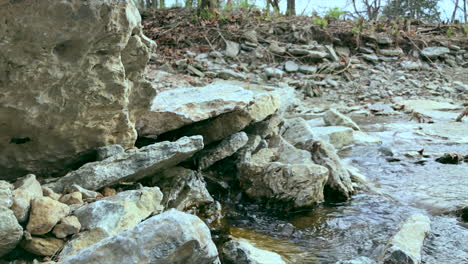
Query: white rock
406	245
10	231
334	118
241	251
27	189
291	66
434	52
362	138
338	136
6	195
171	237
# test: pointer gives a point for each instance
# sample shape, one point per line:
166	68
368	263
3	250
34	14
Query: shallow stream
403	184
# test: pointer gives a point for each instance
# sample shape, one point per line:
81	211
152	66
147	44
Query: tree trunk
454	11
155	4
162	4
464	11
291	9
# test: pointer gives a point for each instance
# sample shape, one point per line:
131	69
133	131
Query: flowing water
403	185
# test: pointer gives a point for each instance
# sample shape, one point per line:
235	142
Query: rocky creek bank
108	160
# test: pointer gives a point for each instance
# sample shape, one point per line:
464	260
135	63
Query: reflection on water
362	226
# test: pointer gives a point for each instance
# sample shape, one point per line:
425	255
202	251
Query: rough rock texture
339	186
112	215
405	247
46	191
176	108
10	231
131	165
182	189
358	260
283	174
72	198
85	193
27	189
171	237
105	152
334	118
42	246
6	195
297	130
336	135
45	214
68	226
78	87
434	52
224	149
240	251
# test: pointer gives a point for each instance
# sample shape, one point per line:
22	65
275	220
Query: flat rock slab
405	246
131	165
171	237
176	108
434	109
338	136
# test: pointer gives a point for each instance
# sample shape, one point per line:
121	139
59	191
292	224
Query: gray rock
370	57
227	74
283	174
266	128
274	73
297	130
241	251
276	49
175	108
191	69
366	50
224	149
86	81
171	237
338	136
10	231
410	65
112	215
307	69
6	195
108	151
183	189
405	247
391	52
69	225
359	260
334	118
434	52
86	194
131	165
232	49
291	66
250	36
27	189
331	53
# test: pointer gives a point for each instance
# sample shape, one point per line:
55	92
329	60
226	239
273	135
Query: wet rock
6	194
232	49
274	73
176	108
359	260
224	149
434	52
334	118
86	82
69	225
10	231
108	151
27	189
112	215
339	186
131	165
450	158
171	237
283	174
45	214
291	66
72	198
338	136
183	189
240	251
42	246
362	138
405	247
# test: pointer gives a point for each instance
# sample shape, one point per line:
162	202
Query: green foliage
319	21
359	27
335	13
465	30
450	32
207	14
413	9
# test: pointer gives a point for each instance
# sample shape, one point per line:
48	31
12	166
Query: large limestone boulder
171	237
176	108
10	231
71	79
112	215
131	165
